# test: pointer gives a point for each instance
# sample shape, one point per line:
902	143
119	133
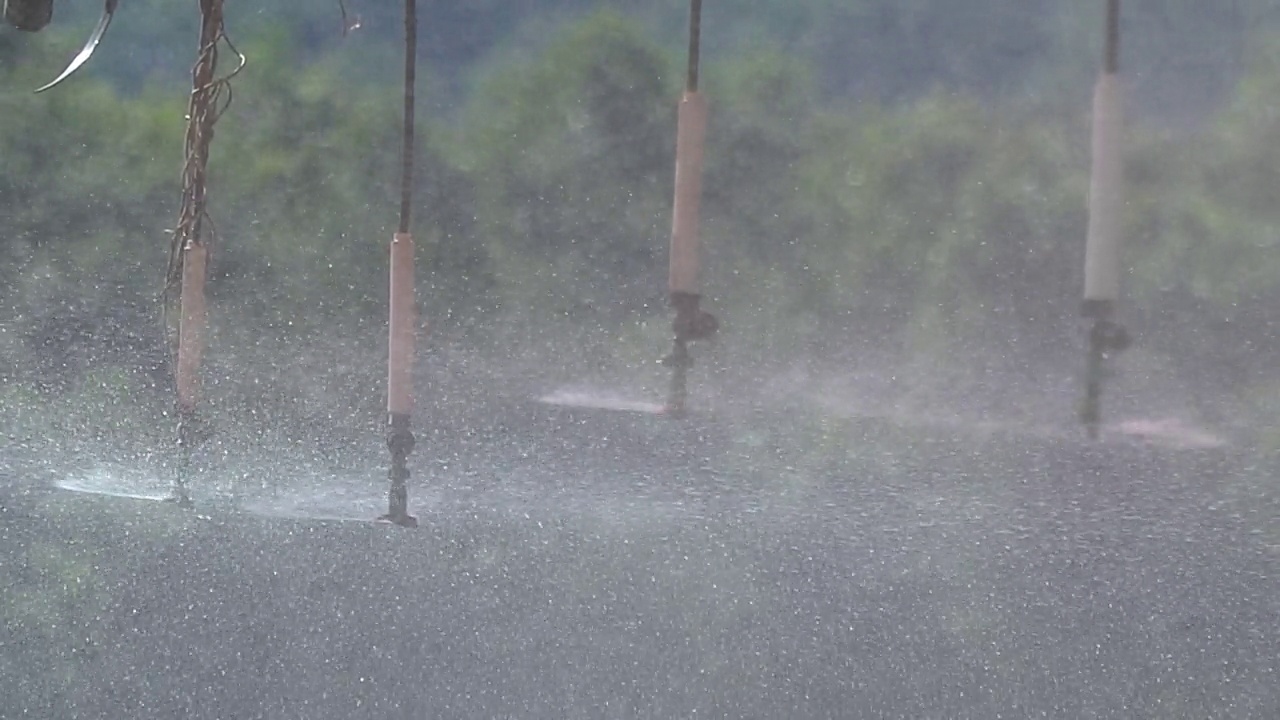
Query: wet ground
595	564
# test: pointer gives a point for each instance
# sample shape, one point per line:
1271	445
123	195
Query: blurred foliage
570	156
1186	53
941	215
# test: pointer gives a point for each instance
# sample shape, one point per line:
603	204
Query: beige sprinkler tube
690	139
691	322
1106	188
402	335
191	326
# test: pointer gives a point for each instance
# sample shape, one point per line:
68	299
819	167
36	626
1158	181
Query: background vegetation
895	189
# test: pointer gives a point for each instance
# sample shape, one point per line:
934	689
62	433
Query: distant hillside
1182	57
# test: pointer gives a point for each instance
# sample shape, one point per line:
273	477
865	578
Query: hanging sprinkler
184	290
691	322
190	245
1102	252
400	438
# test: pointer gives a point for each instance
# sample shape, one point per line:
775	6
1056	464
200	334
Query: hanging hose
184	292
403	316
1106	205
691	322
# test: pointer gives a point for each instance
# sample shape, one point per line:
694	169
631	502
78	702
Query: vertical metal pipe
690	323
194	253
1106	210
402	316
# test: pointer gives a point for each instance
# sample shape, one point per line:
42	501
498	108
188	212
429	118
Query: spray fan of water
600	399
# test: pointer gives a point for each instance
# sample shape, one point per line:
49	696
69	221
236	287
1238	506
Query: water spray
691	322
1106	208
403	316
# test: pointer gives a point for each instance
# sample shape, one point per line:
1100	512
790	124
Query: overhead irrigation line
192	239
407	131
402	313
691	321
1102	270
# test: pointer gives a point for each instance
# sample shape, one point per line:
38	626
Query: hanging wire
410	73
209	100
1111	57
695	39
